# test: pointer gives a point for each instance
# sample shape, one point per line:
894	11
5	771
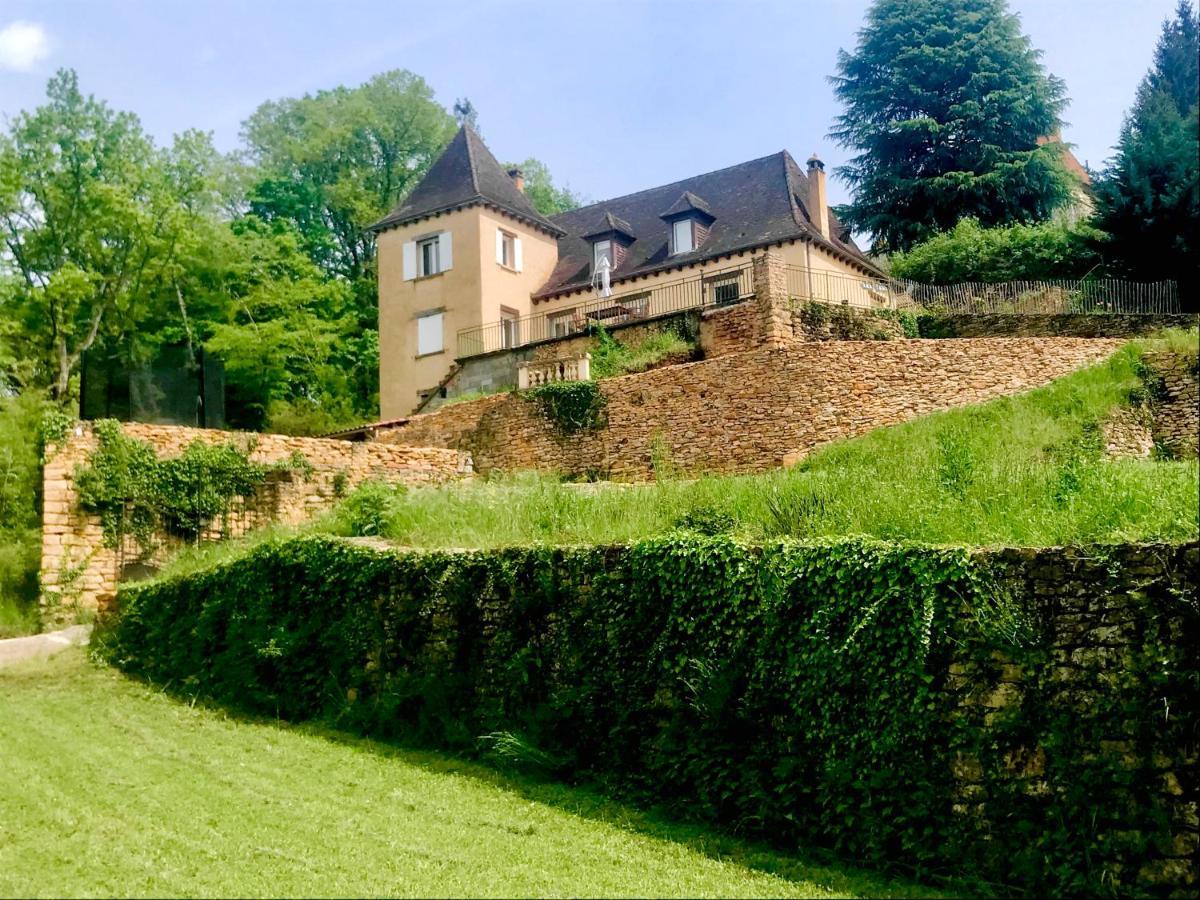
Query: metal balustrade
715	288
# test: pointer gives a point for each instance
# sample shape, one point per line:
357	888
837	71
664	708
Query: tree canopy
547	198
1148	198
944	102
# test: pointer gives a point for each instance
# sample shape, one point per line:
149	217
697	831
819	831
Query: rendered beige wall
798	254
470	294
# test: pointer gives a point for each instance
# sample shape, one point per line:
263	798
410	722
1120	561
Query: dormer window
610	237
681	236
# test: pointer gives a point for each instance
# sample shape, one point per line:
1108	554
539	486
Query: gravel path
16	649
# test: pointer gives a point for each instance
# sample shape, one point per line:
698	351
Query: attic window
682	236
601	250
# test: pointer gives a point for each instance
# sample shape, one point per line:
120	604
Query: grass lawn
108	787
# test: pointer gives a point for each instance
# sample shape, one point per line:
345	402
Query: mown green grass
109	787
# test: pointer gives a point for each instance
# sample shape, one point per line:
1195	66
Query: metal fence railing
1094	296
715	288
1087	295
837	289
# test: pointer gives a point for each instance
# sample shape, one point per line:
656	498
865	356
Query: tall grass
1026	470
1023	470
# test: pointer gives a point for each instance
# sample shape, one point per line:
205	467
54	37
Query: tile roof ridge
468	133
660	187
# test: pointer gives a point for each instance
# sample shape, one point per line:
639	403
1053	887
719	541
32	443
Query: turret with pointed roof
466	174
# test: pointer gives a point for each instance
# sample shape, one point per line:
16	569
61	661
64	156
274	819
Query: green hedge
794	691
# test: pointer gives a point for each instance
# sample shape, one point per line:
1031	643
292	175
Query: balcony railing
716	288
1094	296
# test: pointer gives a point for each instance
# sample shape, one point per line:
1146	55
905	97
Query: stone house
467	266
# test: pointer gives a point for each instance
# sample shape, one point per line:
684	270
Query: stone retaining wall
750	412
78	571
1174	401
952	325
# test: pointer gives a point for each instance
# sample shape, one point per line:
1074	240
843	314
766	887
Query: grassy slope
110	788
1024	470
1019	470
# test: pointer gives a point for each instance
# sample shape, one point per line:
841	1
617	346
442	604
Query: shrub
1010	253
571	406
794	690
612	357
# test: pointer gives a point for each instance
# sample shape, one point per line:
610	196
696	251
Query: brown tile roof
752	204
465	174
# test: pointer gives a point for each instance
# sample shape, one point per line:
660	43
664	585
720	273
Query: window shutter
518	258
499	246
445	251
410	260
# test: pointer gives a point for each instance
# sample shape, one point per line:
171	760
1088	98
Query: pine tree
1149	197
944	102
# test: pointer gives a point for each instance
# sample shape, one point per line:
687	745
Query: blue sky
614	98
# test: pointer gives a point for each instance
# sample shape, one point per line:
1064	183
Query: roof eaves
389	222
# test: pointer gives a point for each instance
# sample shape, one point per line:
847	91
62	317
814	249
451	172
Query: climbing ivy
136	493
571	406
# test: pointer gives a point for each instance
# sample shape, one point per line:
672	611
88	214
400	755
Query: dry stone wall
1175	401
750	412
79	572
952	325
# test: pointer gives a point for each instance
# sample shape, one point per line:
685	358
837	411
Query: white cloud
22	45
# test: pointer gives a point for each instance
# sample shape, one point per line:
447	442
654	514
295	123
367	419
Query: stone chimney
518	178
818	203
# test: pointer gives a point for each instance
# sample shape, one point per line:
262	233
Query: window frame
433	243
508	249
510	328
691	233
608	244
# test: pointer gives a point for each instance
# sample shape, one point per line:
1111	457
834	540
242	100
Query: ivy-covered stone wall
1024	716
81	564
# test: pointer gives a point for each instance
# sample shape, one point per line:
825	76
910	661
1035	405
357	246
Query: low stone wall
750	412
1058	713
78	571
952	325
1174	401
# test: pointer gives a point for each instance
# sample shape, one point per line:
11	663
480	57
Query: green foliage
136	493
969	252
845	323
983	474
794	690
365	513
20	520
571	406
547	198
945	101
331	163
1149	196
93	215
612	357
